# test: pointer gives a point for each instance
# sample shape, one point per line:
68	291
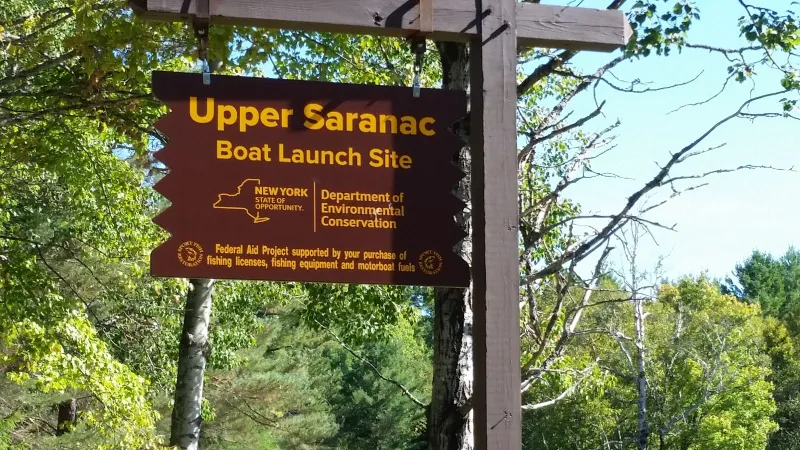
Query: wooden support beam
495	225
451	20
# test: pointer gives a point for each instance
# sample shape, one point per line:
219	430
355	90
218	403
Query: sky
719	225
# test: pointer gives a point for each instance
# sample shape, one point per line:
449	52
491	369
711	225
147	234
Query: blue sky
720	224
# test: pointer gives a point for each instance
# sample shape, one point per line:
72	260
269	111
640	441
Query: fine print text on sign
287	180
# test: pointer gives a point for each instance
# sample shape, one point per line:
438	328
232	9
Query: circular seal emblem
430	262
190	254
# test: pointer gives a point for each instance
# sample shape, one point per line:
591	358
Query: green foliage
774	283
707	372
659	26
347	58
719	350
7	425
270	400
236	316
63	249
362	313
770	38
786	377
79	315
74	215
301	389
774	32
373	413
68	355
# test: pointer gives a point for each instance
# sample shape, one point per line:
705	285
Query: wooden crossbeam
451	20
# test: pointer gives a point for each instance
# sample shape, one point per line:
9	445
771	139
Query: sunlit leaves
68	355
74	216
660	25
360	313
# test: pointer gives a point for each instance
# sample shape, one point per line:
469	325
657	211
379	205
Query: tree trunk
450	418
643	429
194	352
67	416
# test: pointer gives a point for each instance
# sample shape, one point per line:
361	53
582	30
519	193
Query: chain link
201	32
418	46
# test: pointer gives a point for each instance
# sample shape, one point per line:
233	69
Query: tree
557	298
195	349
79	315
719	343
71	93
384	389
277	397
772	283
707	375
304	387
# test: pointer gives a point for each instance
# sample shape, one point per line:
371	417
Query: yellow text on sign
244	117
378	158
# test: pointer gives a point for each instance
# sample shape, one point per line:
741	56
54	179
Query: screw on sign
306	181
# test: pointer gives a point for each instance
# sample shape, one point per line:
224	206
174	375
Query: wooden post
495	260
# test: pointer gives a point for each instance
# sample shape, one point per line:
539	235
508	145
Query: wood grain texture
571	28
451	20
426	16
202	9
495	261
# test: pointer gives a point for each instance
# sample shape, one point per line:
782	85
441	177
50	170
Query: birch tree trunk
450	418
642	429
194	352
631	247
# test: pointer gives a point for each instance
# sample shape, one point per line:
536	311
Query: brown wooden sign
286	180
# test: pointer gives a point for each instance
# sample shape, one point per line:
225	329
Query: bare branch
703	102
523	154
585	248
718	171
724	51
700	152
604	216
556	111
567	332
559	60
566	393
544	70
632	89
573	325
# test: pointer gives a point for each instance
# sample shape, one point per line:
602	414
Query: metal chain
201	32
418	46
